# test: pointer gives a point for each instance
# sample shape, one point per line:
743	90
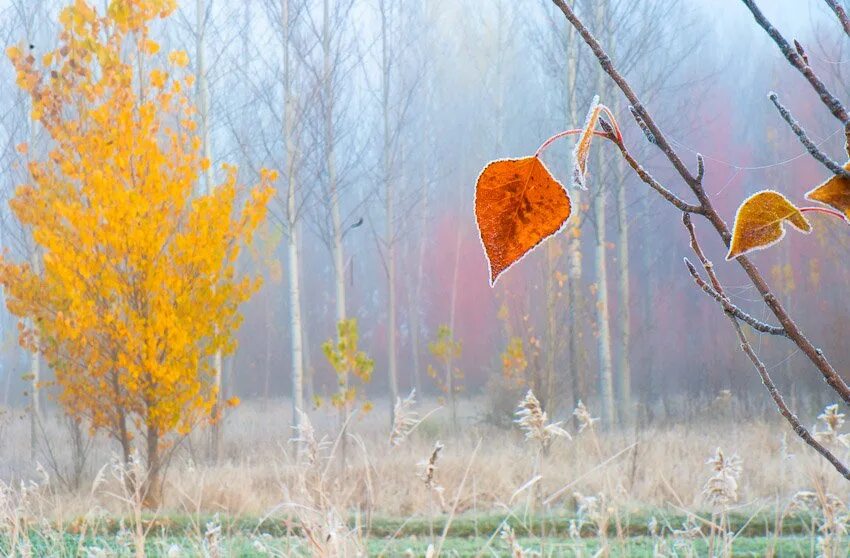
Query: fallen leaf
759	222
518	204
834	192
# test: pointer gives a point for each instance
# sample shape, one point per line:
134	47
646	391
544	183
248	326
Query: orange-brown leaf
582	148
518	204
834	192
759	222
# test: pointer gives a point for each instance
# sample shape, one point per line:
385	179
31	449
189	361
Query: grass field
720	487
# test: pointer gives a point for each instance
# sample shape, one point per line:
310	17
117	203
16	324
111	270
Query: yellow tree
138	286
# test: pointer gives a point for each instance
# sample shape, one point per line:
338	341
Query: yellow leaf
179	58
834	192
150	47
759	222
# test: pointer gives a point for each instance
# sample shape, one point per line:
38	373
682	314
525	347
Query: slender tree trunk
603	340
547	395
202	102
574	266
389	183
416	297
330	164
452	313
624	316
294	267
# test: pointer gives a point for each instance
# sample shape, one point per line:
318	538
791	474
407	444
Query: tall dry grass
425	468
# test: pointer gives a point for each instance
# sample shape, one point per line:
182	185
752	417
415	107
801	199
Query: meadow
715	485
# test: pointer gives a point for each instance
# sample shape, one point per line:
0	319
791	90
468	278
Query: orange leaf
518	204
758	223
582	148
834	192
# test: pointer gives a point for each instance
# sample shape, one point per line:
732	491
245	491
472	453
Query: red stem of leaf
564	134
825	211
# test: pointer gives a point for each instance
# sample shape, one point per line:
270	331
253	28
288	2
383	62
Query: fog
416	109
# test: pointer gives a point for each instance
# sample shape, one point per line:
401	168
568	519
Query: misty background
400	104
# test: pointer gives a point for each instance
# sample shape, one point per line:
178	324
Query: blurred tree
137	289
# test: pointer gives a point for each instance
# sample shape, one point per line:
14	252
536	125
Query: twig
652	183
774	392
804	138
790	53
730	308
840	14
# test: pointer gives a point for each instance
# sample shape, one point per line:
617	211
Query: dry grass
422	468
257	470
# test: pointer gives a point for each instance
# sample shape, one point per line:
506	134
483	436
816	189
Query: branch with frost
705	208
810	146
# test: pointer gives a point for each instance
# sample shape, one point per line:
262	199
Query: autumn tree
137	289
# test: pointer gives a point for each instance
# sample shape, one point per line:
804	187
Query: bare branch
790	53
840	14
804	138
649	180
774	392
732	309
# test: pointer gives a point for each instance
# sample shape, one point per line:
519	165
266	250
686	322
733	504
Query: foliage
514	361
446	349
137	287
758	223
347	361
518	204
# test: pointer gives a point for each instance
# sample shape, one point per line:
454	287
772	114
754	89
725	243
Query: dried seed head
721	489
583	416
532	419
405	419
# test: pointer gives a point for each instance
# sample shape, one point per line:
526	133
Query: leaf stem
825	211
565	133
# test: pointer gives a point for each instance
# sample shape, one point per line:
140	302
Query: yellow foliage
137	288
347	360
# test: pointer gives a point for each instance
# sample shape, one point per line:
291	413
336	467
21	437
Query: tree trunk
450	355
202	102
624	317
152	485
416	297
547	394
603	340
294	268
574	266
389	184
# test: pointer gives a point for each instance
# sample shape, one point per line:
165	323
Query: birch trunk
389	184
330	164
202	103
574	266
294	267
624	371
603	340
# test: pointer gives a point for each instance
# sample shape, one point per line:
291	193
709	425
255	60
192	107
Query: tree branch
774	392
833	104
810	146
840	14
649	180
814	354
732	309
